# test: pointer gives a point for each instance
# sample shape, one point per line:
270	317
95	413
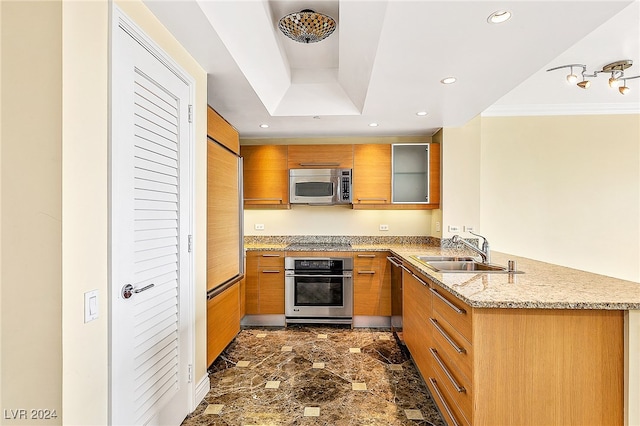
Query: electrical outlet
454	228
384	227
259	226
468	228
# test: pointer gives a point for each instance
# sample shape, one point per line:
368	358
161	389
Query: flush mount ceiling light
421	113
373	124
499	17
264	126
307	26
615	69
448	80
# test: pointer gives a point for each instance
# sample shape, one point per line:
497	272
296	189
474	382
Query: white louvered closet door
150	227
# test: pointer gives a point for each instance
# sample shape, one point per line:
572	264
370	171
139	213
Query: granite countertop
542	285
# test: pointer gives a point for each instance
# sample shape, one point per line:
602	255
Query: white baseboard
202	388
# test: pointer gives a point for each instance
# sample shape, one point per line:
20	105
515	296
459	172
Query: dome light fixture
615	69
307	26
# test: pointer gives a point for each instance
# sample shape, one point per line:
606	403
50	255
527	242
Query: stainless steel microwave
320	186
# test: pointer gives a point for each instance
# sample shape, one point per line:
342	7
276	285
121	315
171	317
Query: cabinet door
266	179
320	156
221	131
371	175
416	175
251	292
223	216
416	306
271	284
223	320
371	285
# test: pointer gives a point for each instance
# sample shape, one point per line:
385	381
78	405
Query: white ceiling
385	61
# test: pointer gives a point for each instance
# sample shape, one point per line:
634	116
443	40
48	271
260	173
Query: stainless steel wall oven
318	290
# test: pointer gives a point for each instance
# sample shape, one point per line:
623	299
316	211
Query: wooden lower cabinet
371	284
264	286
223	320
534	367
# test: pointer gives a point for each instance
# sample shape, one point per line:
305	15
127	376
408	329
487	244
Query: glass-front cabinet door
410	173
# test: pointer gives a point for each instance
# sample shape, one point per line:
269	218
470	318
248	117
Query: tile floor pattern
321	380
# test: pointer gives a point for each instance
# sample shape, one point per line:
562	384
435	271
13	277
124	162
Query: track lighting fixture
615	69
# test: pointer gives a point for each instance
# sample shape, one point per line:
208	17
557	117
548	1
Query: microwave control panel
345	186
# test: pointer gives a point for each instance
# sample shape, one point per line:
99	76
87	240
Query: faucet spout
484	252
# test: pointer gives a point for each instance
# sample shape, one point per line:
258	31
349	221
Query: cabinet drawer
454	384
452	345
448	408
275	258
453	310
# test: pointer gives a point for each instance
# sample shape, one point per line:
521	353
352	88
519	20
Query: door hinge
189	243
190	373
190	113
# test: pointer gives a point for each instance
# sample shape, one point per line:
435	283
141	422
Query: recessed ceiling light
448	80
421	113
499	16
373	124
264	126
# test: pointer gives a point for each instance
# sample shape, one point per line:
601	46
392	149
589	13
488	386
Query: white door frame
118	22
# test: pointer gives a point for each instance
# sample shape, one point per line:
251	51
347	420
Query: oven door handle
318	276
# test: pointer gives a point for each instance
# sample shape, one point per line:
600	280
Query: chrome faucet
483	252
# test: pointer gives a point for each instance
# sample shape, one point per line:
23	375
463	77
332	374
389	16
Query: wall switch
90	306
468	228
384	227
259	226
454	228
437	226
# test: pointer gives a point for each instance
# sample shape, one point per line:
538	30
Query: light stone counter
542	285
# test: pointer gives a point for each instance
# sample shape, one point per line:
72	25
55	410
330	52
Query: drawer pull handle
367	272
447	337
268	271
264	199
444	403
370	256
444	368
330	164
270	255
372	199
446	302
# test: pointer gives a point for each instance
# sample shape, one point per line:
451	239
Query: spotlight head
584	84
623	90
613	82
572	78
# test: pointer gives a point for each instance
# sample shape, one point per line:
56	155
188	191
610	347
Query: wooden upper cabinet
266	179
221	131
415	171
320	157
371	175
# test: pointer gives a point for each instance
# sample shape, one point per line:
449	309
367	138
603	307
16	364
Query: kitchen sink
460	264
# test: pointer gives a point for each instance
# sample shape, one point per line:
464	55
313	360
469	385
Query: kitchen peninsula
546	346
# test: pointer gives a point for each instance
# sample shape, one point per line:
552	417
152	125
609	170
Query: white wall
337	220
564	190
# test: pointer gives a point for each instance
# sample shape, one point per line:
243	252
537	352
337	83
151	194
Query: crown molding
562	109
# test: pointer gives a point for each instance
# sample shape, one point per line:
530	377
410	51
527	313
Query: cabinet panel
266	178
223	215
221	131
320	156
455	385
452	346
264	283
372	174
223	321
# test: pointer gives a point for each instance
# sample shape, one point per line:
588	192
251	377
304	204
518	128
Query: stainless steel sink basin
460	264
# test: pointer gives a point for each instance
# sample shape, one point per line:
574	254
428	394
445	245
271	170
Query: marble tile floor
315	375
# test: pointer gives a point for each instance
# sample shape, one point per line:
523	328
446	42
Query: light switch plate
90	306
